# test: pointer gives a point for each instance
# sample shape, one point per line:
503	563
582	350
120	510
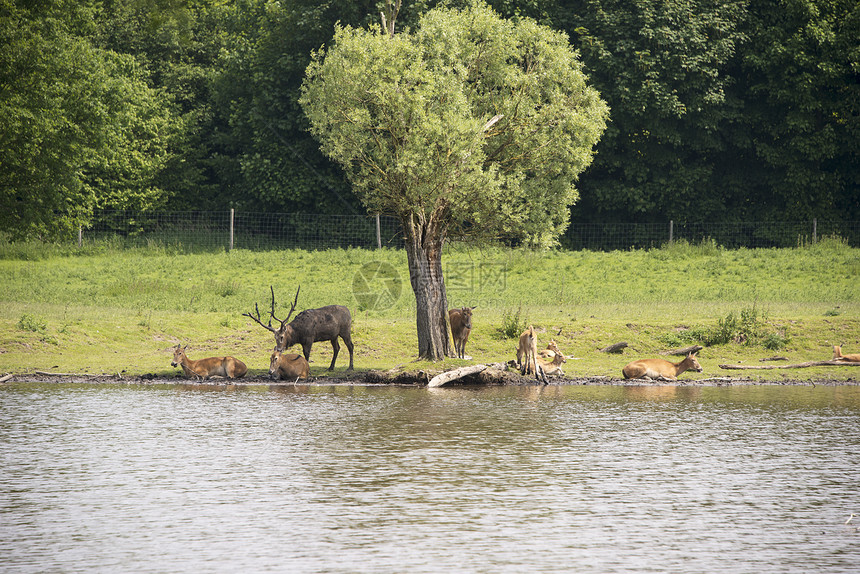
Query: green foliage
471	125
721	110
799	81
80	128
513	323
748	327
30	323
33	324
662	67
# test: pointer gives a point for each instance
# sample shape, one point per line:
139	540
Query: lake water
206	478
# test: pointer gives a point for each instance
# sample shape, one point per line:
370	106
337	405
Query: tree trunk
424	252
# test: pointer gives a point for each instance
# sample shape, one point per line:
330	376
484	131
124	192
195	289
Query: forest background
721	110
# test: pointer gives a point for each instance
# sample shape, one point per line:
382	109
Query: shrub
513	323
30	323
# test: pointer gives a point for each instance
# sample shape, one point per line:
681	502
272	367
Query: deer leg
335	347
348	341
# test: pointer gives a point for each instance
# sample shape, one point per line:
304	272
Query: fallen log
616	348
797	366
685	351
448	376
6	378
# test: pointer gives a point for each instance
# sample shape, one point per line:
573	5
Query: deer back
312	325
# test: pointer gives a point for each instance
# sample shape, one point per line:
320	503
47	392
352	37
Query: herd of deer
334	321
310	326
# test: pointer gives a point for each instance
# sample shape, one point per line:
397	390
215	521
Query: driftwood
6	378
616	348
797	366
448	376
685	351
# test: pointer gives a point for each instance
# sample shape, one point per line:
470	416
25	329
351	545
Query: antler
293	306
272	312
257	319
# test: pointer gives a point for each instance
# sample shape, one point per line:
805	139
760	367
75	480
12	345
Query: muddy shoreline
406	379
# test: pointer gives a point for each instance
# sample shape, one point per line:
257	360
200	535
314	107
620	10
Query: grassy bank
108	310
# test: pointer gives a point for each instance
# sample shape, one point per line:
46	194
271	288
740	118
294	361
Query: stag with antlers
311	325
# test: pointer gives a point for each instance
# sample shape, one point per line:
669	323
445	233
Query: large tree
470	125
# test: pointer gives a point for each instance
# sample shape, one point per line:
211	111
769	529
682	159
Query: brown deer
551	350
527	355
288	366
229	367
838	356
551	359
311	325
461	326
660	368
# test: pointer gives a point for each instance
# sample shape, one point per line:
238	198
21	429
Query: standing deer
461	326
204	368
660	368
527	355
311	325
288	366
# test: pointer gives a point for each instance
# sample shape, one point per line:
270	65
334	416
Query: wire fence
227	230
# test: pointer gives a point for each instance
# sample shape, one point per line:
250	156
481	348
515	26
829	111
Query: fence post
815	230
671	230
80	236
378	234
231	229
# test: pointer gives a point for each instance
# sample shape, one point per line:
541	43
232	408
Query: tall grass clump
748	327
513	323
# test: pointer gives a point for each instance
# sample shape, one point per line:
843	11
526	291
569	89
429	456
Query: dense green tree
180	45
799	78
662	66
80	128
468	126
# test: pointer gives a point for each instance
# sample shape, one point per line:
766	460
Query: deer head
281	332
178	355
692	363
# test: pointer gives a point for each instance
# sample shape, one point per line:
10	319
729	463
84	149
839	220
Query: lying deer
551	350
288	366
551	359
660	368
838	356
527	355
229	367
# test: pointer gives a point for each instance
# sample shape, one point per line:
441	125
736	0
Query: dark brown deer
311	325
461	326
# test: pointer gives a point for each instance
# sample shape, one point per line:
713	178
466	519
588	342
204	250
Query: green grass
106	309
